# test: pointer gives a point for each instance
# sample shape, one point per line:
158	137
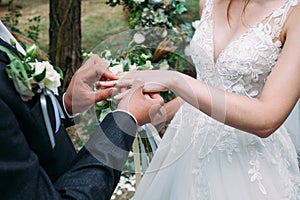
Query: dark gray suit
31	169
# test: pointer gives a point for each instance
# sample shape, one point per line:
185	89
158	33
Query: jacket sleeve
90	176
97	168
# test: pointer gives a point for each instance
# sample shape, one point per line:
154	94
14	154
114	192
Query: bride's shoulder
293	21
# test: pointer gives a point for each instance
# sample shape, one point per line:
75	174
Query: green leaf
22	72
9	53
41	76
32	52
180	8
13	43
60	72
21	87
104	112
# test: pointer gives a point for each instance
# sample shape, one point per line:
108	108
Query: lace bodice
245	63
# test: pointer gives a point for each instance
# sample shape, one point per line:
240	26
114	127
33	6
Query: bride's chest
247	59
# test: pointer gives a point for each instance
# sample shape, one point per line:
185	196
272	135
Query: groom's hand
142	106
80	94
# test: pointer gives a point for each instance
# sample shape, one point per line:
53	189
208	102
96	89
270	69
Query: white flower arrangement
27	72
52	77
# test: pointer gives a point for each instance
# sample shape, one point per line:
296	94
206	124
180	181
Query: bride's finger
122	74
124	83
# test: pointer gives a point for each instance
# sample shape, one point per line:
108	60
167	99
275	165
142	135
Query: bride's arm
258	116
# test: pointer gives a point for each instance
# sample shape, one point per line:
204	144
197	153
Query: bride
227	140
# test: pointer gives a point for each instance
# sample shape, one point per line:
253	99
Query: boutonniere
28	72
32	76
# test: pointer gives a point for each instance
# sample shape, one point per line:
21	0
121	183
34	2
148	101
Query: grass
99	21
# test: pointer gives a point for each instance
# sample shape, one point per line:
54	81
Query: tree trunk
65	37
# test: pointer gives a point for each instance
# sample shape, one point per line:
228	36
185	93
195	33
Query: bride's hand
154	80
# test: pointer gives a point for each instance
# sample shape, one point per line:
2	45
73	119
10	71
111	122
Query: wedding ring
114	83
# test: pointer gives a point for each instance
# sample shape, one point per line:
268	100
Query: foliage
34	29
149	13
11	20
157	33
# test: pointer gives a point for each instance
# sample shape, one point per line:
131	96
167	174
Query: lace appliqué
228	143
279	155
242	68
254	171
282	154
202	191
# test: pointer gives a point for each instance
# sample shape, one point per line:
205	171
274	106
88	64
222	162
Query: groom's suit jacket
31	169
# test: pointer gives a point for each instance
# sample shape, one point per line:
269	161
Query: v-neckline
215	58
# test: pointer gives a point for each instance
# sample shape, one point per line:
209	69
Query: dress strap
207	10
274	23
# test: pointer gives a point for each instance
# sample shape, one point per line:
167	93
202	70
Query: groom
30	168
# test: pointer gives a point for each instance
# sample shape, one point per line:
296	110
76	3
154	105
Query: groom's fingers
109	75
104	94
127	96
100	68
102	72
157	97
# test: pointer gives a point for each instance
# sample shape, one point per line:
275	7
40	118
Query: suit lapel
3	57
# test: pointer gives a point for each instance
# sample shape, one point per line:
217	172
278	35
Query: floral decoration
27	72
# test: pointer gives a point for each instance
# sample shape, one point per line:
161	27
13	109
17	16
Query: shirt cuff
120	110
75	115
70	116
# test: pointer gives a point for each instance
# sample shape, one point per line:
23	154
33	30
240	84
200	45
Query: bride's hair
246	2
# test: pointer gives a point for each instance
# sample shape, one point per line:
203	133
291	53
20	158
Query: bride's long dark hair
229	6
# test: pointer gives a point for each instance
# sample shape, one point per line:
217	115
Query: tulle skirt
200	158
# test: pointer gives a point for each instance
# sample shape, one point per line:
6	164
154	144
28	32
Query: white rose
164	65
133	67
52	78
145	56
148	65
38	67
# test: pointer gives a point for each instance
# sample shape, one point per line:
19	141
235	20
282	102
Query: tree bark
65	37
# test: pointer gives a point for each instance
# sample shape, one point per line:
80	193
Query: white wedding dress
200	158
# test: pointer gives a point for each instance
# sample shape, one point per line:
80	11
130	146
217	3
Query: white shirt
7	36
